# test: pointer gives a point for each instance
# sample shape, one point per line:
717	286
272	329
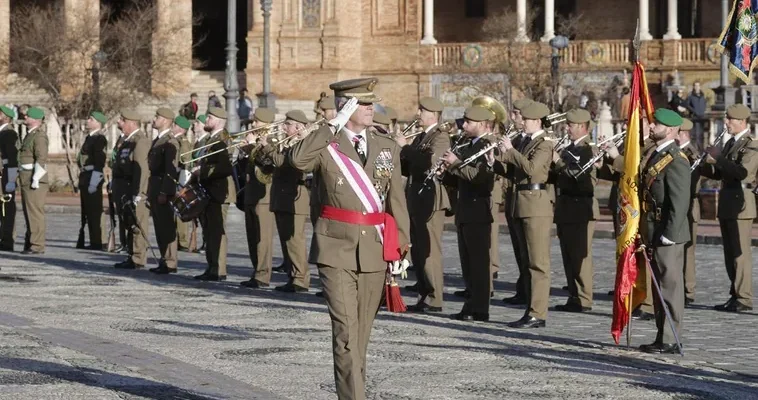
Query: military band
91	162
9	157
179	131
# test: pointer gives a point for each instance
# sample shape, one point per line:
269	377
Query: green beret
381	118
686	125
165	113
667	117
130	115
217	112
738	111
182	122
265	115
326	103
361	88
521	103
578	116
431	104
201	118
99	117
35	113
476	113
8	111
391	113
535	110
297	116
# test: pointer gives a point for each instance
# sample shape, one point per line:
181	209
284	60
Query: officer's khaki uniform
427	211
693	217
216	176
259	221
473	220
576	210
290	203
181	227
92	159
507	173
736	167
163	160
9	157
200	142
33	151
130	179
317	193
532	208
665	181
349	256
117	203
497	199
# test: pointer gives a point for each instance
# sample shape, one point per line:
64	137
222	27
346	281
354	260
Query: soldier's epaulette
662	163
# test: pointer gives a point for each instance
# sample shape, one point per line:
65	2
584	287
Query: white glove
184	177
613	152
666	242
10	187
136	199
344	114
39	172
35	184
400	267
94	181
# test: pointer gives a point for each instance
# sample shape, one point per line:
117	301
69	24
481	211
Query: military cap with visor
297	116
265	115
361	88
686	125
578	116
130	115
477	114
382	118
165	113
535	110
431	104
521	103
738	111
326	103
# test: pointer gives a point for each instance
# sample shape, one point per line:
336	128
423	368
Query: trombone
290	141
410	127
556	118
243	133
617	140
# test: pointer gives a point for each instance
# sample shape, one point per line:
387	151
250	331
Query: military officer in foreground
473	217
290	203
130	184
259	219
32	160
736	166
163	160
214	174
576	210
690	150
179	131
665	184
532	206
352	253
91	162
9	157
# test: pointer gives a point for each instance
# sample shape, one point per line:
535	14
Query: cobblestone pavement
71	326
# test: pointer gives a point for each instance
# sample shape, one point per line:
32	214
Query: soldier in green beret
665	195
690	150
115	200
32	159
179	131
9	157
91	161
735	165
201	138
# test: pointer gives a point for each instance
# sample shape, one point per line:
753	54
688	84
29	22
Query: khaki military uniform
181	227
9	157
200	142
427	203
317	193
576	210
215	176
532	208
473	220
736	167
259	221
349	256
130	179
693	217
665	181
118	204
498	190
34	151
163	160
290	203
92	159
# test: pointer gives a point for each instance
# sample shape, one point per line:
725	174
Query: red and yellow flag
630	280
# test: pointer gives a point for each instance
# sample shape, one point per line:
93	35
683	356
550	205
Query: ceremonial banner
740	38
629	278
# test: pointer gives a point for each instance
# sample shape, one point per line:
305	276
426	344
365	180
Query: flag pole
670	320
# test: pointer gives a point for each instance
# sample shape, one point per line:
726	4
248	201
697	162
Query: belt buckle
658	213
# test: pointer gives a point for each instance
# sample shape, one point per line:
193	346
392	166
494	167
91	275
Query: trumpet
290	141
410	127
556	118
617	140
487	148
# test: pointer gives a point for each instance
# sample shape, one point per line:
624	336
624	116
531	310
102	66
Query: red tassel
393	300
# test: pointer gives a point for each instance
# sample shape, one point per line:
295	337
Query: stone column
428	23
521	13
673	29
172	47
645	20
82	21
549	20
5	40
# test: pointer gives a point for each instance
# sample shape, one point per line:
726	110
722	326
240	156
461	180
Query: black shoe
528	322
280	268
411	268
423	308
290	287
611	292
723	307
564	288
738	307
412	288
515	300
163	269
320	294
254	284
494	275
4	247
688	302
128	264
462	293
80	246
660	348
640	315
210	278
95	247
182	248
572	307
464	316
33	252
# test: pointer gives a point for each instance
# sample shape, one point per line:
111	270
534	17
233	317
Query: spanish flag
630	280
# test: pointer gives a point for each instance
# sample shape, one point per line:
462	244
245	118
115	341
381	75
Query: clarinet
437	168
705	154
487	148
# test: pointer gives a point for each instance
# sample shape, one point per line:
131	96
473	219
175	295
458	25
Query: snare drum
190	202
